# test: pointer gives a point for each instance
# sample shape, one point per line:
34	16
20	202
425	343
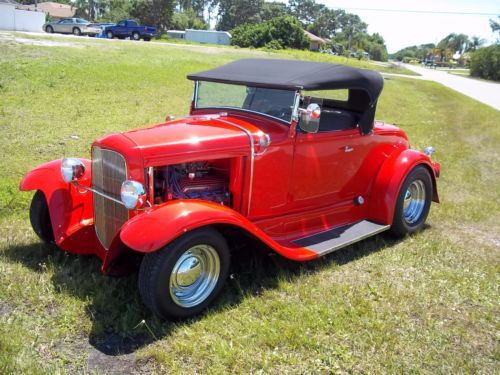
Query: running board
337	238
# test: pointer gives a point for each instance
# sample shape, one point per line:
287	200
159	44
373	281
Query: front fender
390	178
162	224
71	211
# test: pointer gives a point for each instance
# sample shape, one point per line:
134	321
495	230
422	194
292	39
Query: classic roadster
285	152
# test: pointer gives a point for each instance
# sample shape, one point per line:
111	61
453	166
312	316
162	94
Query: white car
76	26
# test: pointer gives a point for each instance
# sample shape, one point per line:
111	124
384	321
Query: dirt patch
113	355
11	38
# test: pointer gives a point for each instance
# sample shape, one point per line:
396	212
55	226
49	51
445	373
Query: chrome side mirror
309	118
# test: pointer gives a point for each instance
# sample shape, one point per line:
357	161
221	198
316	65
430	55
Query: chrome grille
108	173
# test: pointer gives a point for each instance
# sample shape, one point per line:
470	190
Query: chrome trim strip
247	111
354	240
195	94
296	104
104	195
252	158
151	187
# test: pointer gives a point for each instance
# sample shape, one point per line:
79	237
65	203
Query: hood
188	139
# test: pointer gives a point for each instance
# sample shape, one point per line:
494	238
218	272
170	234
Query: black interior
336	115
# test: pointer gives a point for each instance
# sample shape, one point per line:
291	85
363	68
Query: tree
495	26
351	25
454	42
237	12
474	43
188	20
306	11
281	32
153	12
116	10
485	63
328	23
272	10
91	9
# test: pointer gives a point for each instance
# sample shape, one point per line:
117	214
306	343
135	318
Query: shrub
485	63
277	33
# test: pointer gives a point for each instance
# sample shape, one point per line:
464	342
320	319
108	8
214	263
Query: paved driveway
483	91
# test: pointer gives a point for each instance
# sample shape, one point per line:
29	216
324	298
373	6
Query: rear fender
71	212
162	224
390	178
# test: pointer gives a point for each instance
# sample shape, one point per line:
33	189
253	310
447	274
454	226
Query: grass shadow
121	324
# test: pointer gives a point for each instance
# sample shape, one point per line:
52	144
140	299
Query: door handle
348	149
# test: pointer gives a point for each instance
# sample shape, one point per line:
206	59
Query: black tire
77	31
109	34
136	36
40	217
49	29
406	220
147	38
155	275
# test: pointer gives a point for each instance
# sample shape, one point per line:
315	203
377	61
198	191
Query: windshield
271	102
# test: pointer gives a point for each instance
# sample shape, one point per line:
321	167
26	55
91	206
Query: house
13	17
54	10
315	42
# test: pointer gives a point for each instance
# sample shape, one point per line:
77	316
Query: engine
195	180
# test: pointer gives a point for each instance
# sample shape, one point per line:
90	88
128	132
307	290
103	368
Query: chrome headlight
133	194
72	169
429	151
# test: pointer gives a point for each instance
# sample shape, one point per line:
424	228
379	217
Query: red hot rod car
287	152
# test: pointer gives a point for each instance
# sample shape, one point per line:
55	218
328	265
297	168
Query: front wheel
136	36
109	34
183	278
40	217
49	29
414	202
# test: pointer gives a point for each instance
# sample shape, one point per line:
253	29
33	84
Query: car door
327	164
120	28
67	25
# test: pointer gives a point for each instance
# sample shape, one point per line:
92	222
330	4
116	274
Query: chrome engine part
196	180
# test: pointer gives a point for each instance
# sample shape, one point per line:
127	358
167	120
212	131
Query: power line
422	11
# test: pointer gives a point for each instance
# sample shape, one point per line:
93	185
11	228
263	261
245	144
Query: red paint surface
303	183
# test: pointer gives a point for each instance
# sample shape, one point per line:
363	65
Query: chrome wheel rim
414	202
194	276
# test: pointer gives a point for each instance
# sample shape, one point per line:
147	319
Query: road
484	91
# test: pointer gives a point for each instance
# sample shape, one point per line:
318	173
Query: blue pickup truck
130	29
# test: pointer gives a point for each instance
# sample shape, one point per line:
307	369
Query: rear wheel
414	202
49	29
109	34
183	278
77	31
136	36
40	217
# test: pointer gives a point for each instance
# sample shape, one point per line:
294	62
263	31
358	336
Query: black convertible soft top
364	85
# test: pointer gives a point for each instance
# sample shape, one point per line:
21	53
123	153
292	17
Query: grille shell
109	170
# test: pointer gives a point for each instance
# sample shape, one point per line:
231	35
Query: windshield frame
294	104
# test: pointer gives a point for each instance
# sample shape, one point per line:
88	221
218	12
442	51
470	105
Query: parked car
76	26
130	29
259	156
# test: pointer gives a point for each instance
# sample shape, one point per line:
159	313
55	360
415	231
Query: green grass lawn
426	304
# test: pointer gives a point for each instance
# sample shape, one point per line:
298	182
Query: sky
403	29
